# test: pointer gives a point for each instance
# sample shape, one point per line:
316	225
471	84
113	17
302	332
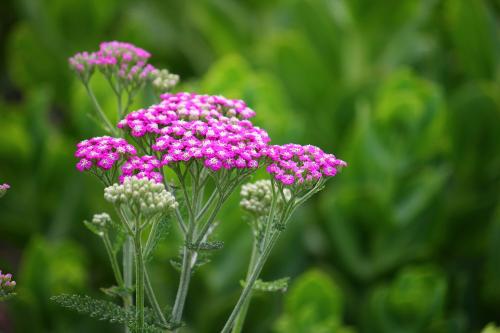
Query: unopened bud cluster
257	197
101	220
163	80
141	196
3	189
7	285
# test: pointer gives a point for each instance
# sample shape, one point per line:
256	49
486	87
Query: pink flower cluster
219	144
6	281
295	164
142	167
103	152
211	129
183	106
189	126
128	61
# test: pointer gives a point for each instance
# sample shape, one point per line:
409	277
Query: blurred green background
406	239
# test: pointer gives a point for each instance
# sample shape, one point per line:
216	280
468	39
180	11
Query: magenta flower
144	167
124	60
184	107
293	164
102	153
212	129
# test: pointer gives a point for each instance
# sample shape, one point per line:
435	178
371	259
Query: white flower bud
163	80
257	197
101	220
141	195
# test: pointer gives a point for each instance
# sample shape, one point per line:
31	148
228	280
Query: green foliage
491	328
412	302
207	246
405	91
104	310
280	285
313	304
162	229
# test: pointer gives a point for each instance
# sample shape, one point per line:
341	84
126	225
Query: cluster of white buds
163	80
7	285
257	197
142	196
101	220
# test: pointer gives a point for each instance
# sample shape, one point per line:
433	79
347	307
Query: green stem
113	261
128	248
152	298
182	291
139	283
99	110
240	318
247	290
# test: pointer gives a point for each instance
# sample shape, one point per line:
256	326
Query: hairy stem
128	259
240	318
247	290
113	261
99	110
139	283
182	291
152	298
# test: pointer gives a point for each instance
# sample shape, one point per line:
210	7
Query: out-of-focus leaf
410	303
474	32
313	304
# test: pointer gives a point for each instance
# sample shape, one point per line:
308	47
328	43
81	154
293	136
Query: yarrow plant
179	160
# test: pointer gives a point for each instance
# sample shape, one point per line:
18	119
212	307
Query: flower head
124	62
141	196
3	189
7	285
101	220
256	198
184	107
293	164
212	129
83	64
102	153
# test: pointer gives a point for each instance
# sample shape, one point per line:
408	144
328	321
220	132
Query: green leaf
491	328
313	304
118	241
93	228
108	311
207	246
160	232
279	285
412	302
116	291
474	33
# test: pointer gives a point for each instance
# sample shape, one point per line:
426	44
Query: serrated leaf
176	264
116	291
207	246
108	311
160	230
118	241
93	228
279	285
